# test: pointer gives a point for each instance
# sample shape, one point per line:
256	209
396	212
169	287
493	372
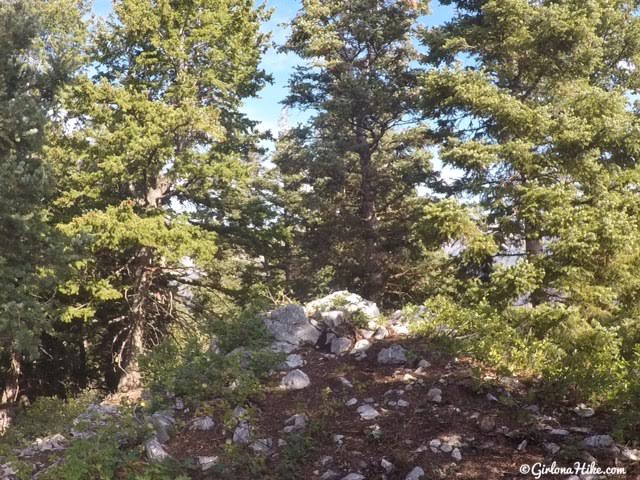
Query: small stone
354	476
242	433
559	432
207	463
423	364
434	395
598	441
351	402
345	382
631	454
240	412
456	455
522	445
416	474
491	397
583	411
293	360
394	355
155	450
179	404
361	346
551	447
202	423
326	460
329	475
295	423
262	446
487	423
446	448
381	333
436	442
163	424
340	345
369	400
386	465
403	403
367	412
295	380
338	439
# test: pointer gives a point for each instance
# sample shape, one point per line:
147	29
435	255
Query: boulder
202	423
340	345
367	412
163	422
155	450
351	305
290	325
394	355
242	433
295	380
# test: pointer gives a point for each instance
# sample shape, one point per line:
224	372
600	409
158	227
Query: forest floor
429	415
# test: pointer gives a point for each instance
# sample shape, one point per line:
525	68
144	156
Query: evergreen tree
152	146
533	103
350	175
39	43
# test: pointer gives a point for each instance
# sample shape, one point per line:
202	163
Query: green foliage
349	176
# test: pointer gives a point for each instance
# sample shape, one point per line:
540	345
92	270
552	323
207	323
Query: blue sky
267	108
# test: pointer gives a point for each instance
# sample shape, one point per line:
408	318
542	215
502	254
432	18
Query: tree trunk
11	389
134	346
373	282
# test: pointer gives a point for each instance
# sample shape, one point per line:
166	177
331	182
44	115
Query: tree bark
11	390
373	282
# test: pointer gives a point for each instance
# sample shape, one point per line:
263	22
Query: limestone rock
340	345
416	474
598	441
394	355
367	412
155	450
242	433
289	324
202	423
295	380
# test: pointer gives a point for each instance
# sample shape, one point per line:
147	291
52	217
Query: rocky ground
364	400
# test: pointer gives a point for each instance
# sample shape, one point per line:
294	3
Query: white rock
202	423
394	355
329	475
155	450
351	402
416	474
631	454
207	463
338	439
332	318
367	412
386	465
240	412
354	476
436	442
559	432
295	380
381	333
403	403
583	411
294	360
423	364
345	382
446	448
361	346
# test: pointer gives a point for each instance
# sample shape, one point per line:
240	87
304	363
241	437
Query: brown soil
405	431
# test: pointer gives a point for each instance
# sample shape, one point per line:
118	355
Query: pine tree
350	174
39	43
533	103
152	146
